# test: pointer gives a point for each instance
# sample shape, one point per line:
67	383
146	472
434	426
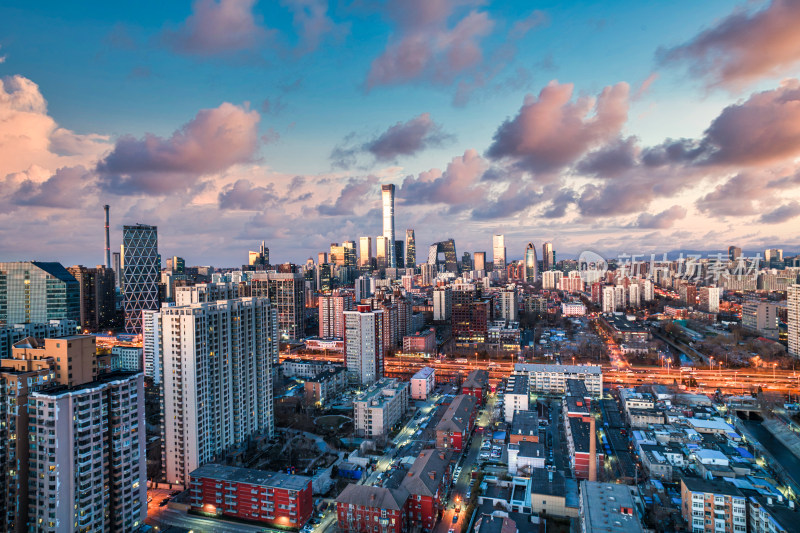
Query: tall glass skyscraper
140	274
34	292
411	249
548	257
499	252
531	264
387	194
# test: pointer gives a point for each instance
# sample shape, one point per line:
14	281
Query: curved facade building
531	264
446	248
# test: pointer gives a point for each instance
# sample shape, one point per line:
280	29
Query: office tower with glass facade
218	359
479	261
466	262
365	252
141	271
399	255
382	249
443	254
37	292
411	249
499	252
531	264
548	256
97	296
387	195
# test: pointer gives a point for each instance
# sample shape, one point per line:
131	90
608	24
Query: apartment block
380	407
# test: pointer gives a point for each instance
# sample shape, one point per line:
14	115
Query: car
455	517
484	455
469	493
451	530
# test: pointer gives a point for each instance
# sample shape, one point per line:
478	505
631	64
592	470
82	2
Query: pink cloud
427	45
459	185
217	27
744	47
211	142
552	131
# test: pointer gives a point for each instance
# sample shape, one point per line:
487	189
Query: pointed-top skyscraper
531	264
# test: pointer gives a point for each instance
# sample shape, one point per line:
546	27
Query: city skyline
639	150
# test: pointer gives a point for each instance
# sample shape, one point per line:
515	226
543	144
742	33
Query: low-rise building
524	427
422	342
579	443
524	457
712	505
365	508
276	499
553	378
456	424
426	483
553	495
423	383
608	507
517	396
380	407
476	384
767	515
326	386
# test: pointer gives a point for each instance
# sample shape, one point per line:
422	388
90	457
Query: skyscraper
363	343
116	262
531	264
140	274
466	262
442	303
509	302
398	254
37	292
548	256
365	252
382	250
793	319
259	258
479	261
499	252
448	250
218	357
411	249
734	253
97	296
387	194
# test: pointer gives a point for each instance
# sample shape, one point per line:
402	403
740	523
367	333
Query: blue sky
125	71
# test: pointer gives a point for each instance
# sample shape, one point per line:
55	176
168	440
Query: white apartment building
331	314
363	343
553	378
573	309
517	397
128	358
609	300
380	407
509	304
709	299
793	319
423	383
217	379
634	295
88	467
442	303
206	292
151	345
551	278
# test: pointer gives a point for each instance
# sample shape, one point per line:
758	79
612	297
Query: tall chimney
592	450
108	240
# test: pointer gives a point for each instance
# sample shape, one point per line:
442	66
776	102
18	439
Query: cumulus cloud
67	188
749	193
211	142
426	45
611	160
312	23
244	195
31	137
351	196
743	47
781	214
662	220
217	27
552	131
402	139
459	186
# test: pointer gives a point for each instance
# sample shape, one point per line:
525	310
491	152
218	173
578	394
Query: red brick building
426	484
579	444
368	509
456	424
276	499
477	385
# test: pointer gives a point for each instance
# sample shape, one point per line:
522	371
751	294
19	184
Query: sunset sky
612	126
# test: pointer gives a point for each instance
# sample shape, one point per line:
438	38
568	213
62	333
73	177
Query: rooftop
425	475
568	369
477	379
233	474
376	497
608	507
458	414
525	423
423	373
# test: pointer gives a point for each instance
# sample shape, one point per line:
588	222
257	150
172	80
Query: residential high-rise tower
499	252
363	343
